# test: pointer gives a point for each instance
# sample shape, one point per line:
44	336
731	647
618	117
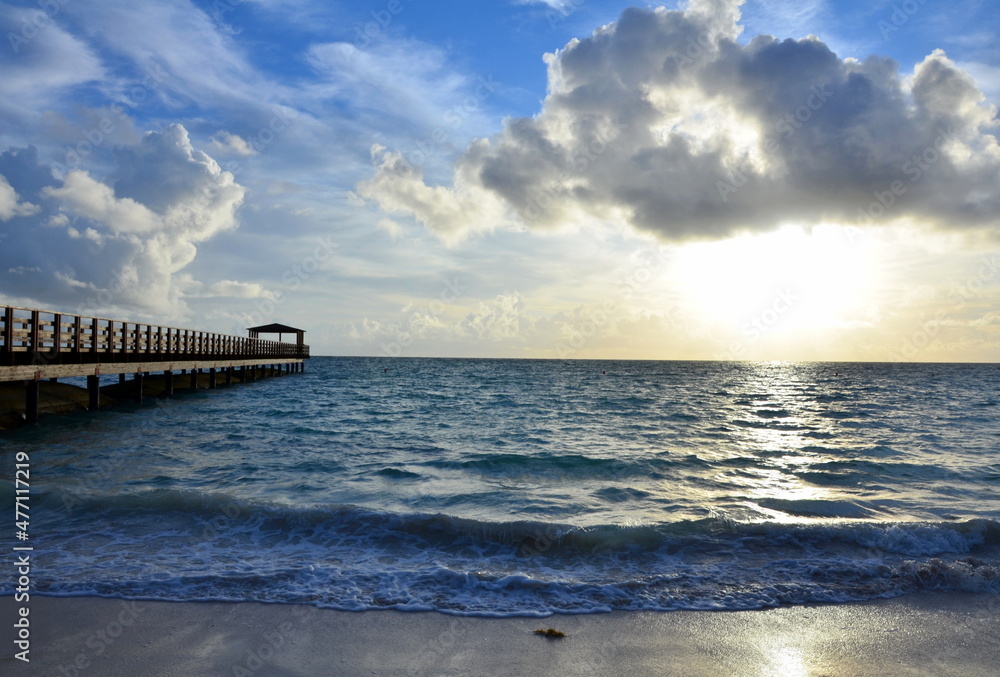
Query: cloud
402	82
83	196
987	78
230	289
393	229
663	122
38	61
231	144
9	205
496	320
185	52
399	187
558	5
788	17
425	329
94	245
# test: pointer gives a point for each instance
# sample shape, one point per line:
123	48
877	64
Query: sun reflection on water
777	423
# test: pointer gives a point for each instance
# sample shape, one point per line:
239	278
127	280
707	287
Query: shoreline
925	634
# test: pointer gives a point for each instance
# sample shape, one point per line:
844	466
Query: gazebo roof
275	329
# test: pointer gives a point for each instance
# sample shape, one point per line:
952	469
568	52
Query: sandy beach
930	634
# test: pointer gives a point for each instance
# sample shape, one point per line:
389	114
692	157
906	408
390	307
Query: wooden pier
36	345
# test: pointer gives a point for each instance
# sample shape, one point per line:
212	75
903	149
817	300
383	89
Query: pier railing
30	336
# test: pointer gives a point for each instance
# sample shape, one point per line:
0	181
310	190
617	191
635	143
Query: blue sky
570	178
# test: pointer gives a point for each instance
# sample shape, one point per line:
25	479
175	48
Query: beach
926	634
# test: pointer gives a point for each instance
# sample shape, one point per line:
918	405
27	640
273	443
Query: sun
789	281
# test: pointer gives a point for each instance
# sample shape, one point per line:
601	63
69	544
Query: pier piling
94	392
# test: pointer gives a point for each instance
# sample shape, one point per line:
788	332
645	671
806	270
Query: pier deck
39	344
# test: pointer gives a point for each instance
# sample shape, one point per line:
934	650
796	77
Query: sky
710	179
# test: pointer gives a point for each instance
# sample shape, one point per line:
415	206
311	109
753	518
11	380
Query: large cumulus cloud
664	121
89	244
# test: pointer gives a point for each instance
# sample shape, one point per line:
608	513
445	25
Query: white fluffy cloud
123	244
9	204
83	196
231	144
496	320
228	289
664	122
399	188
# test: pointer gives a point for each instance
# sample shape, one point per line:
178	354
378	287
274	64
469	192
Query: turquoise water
506	487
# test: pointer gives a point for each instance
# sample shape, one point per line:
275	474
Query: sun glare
782	282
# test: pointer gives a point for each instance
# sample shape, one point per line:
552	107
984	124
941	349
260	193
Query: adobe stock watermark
440	647
452	291
761	323
563	11
541	200
785	127
263	650
292	279
281	119
975	284
365	33
698	46
930	327
123	279
35	23
737	179
921	338
915	168
790	123
629	284
984	620
101	640
578	334
228	515
105	469
902	12
94	138
556	539
437	141
223	7
540	542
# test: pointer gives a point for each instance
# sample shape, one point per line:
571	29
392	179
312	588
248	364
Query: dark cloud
664	121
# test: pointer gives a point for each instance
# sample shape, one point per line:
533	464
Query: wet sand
930	634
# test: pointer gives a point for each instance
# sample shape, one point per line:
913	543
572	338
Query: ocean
527	488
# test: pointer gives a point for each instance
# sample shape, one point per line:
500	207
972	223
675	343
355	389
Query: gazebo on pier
279	329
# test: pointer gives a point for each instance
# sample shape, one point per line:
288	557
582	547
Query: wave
196	506
184	545
396	473
577	465
819	508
